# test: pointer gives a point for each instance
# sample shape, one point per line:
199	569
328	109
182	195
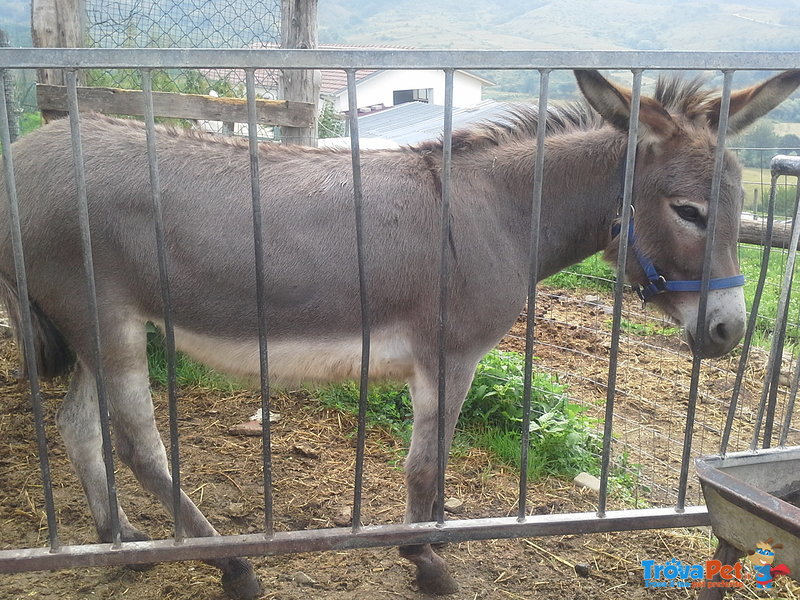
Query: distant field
756	184
786	128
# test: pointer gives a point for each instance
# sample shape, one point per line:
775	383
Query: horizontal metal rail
88	58
317	540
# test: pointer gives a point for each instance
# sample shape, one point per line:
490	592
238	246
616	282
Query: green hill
565	24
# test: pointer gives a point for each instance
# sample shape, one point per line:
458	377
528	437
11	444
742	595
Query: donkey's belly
301	360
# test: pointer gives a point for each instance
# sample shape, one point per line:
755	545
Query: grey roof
415	122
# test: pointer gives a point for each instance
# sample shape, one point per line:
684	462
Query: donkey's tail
54	357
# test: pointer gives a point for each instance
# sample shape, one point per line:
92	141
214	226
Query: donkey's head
677	137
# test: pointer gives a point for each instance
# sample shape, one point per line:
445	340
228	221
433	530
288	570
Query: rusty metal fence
679	512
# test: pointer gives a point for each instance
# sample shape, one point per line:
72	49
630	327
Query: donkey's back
311	294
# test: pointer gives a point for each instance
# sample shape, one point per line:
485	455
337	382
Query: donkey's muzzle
724	327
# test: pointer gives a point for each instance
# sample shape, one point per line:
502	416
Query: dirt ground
313	460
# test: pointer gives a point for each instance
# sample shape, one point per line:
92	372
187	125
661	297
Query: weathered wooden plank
752	232
117	101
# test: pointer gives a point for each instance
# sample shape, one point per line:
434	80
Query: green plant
624	481
495	397
563	440
29	121
388	405
330	124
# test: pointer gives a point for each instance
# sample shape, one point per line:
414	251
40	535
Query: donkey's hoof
240	581
438	584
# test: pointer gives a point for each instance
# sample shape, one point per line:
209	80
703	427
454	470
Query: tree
789	144
760	135
329	124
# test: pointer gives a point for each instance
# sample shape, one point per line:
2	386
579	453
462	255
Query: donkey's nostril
720	332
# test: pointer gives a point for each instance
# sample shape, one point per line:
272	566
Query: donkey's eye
687	212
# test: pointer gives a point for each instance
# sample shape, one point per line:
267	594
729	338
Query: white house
375	89
382	89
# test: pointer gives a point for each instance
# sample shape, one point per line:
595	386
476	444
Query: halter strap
657	283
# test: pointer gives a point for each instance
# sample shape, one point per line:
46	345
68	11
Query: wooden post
752	232
299	30
727	555
57	24
11	104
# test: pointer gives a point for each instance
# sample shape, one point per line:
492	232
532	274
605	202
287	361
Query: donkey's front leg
433	576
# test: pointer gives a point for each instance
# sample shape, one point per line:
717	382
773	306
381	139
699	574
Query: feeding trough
752	497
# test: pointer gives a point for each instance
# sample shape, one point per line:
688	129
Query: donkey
312	303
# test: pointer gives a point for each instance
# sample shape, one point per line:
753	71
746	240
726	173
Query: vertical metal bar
700	336
619	288
444	276
91	300
258	244
773	371
533	278
355	154
26	325
787	419
163	275
780	336
751	321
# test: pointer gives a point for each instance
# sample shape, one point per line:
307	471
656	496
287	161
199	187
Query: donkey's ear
754	102
614	105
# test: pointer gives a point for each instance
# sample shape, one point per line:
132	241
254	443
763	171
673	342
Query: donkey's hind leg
78	421
139	446
433	576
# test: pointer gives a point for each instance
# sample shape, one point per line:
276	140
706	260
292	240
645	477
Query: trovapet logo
678	574
675	573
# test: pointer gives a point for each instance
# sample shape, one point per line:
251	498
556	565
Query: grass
750	258
591	274
644	328
29	121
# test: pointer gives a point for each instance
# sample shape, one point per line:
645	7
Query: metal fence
732	429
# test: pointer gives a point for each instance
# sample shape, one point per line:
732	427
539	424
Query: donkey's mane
521	122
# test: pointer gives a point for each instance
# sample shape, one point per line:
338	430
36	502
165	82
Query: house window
403	96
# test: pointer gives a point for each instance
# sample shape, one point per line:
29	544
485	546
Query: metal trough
749	499
752	496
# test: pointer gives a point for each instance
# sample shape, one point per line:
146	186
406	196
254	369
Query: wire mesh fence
167	24
172	24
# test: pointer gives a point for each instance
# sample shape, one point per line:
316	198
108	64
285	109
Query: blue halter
658	284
